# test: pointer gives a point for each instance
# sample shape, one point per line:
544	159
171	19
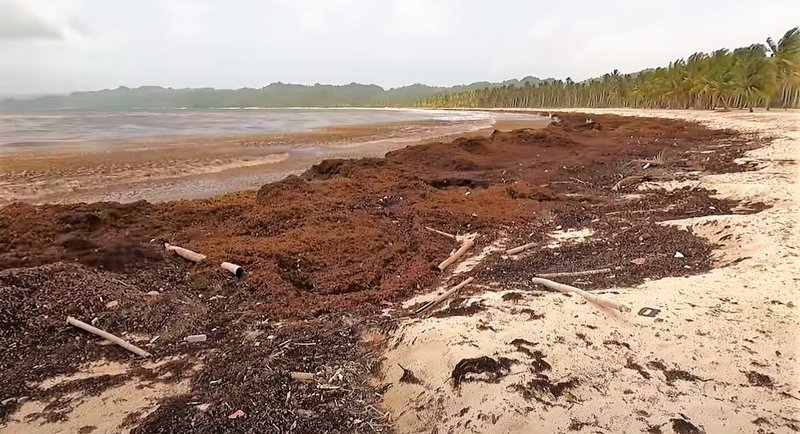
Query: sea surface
40	129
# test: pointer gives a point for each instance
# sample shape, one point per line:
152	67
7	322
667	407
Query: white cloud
37	20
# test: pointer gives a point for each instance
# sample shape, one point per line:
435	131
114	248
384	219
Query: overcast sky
57	46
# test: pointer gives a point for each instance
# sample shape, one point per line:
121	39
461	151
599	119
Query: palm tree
754	76
786	56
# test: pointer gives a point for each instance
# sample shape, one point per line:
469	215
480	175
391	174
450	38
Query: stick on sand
519	249
107	336
447	294
575	273
560	287
441	232
468	243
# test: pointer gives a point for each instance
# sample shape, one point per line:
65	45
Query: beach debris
560	287
482	368
441	232
185	253
408	376
153	293
679	255
638	261
447	294
556	389
112	304
683	426
302	376
468	243
192	339
203	407
237	414
107	336
520	249
232	268
758	379
649	312
575	273
629	181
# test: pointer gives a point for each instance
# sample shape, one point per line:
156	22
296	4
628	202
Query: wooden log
232	268
519	249
185	253
107	336
575	273
468	243
441	232
447	294
560	287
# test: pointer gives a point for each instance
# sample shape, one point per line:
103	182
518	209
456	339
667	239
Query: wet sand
157	170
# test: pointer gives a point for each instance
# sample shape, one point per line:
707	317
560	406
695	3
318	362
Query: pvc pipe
107	336
234	269
185	253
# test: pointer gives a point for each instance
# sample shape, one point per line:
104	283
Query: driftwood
107	336
302	376
232	268
560	287
519	249
447	294
575	273
185	253
441	233
468	243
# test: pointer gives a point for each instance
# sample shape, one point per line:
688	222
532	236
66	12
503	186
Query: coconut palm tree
786	56
754	76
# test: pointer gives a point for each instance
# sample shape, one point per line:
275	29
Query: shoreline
162	169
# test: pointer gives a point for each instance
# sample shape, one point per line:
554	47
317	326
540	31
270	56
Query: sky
59	46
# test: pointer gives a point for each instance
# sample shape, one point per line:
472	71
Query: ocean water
34	129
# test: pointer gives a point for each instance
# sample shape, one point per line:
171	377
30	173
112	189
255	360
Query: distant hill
273	95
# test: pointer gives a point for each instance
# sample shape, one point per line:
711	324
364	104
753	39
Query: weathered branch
519	249
441	232
447	294
560	287
575	273
468	243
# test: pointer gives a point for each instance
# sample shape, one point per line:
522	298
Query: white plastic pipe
107	336
185	253
232	268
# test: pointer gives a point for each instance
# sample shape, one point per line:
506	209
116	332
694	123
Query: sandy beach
722	356
690	213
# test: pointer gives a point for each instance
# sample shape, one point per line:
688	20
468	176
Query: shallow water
35	129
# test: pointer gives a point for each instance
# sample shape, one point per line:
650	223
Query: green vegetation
755	76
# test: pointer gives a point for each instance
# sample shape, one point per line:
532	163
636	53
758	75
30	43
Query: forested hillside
273	95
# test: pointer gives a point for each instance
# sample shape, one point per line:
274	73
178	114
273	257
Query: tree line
760	75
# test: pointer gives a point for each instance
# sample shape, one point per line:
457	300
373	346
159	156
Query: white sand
716	326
